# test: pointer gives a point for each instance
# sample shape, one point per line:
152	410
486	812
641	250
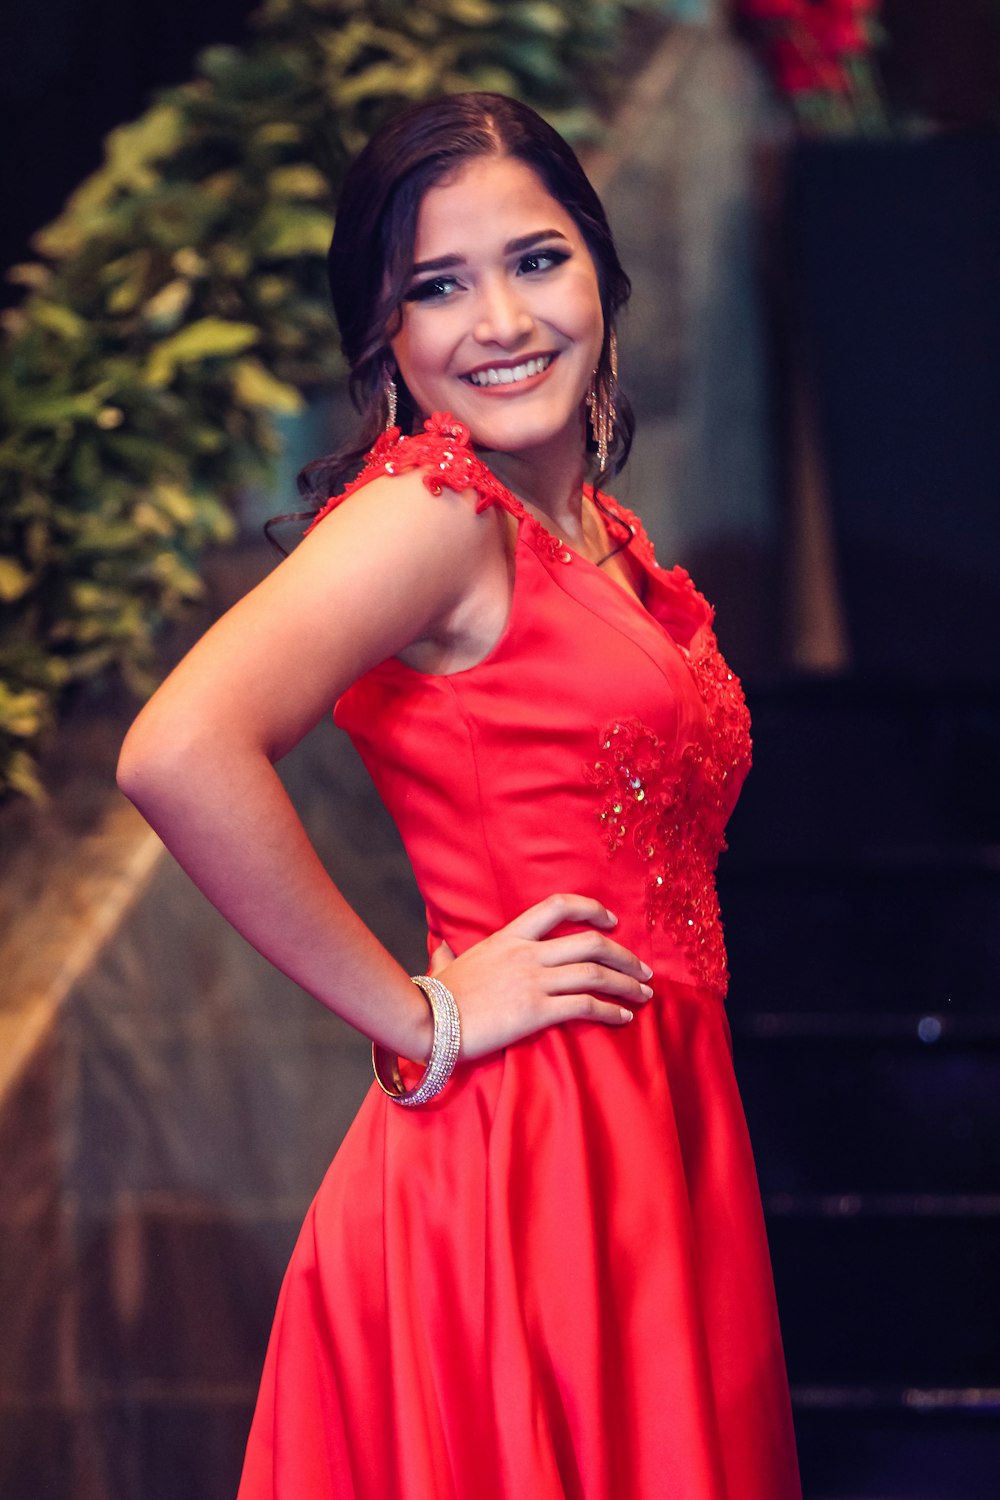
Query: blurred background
807	196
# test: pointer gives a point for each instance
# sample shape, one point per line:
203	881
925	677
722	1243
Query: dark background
71	70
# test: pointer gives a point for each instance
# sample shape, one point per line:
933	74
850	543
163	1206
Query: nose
502	317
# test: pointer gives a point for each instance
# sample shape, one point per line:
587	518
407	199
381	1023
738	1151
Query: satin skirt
552	1282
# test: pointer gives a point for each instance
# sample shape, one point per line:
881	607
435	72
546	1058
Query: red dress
553	1280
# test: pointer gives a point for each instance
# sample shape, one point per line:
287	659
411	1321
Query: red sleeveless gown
552	1281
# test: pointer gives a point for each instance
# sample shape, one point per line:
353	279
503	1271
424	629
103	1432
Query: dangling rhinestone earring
389	391
601	405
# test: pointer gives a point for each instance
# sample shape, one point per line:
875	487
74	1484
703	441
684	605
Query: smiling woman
537	1265
389	244
501	327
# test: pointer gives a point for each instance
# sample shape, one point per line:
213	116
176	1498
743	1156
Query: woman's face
502	324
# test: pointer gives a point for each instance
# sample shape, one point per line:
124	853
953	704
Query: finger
586	1007
540	919
571	979
593	946
441	958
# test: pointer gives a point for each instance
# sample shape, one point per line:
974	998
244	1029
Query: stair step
876	934
870	1113
903	1444
882	1205
882	1301
840	762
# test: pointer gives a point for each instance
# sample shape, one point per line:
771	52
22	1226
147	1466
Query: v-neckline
656	578
555	545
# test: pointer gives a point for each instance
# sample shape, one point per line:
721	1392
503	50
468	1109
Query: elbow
131	768
171	758
154	764
139	768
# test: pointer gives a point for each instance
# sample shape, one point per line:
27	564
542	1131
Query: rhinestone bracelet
444	1048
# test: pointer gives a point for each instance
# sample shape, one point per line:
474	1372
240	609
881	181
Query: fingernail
645	971
646	991
626	1014
610	915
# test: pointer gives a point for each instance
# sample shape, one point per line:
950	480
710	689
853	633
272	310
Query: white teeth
508	375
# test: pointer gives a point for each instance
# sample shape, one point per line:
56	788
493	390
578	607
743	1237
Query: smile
510	374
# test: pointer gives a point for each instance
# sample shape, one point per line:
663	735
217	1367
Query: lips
511	374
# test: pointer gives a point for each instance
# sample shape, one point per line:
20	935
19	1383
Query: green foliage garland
179	303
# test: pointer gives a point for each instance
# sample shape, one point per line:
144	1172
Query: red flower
818	50
803	70
840	35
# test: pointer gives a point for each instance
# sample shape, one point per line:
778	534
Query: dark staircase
862	904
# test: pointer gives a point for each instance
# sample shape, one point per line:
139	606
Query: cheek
419	348
584	314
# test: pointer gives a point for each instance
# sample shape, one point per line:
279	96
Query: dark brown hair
371	257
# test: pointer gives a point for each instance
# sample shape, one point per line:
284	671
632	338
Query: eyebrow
524	242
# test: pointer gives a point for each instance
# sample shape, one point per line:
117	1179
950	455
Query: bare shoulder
398	516
387	568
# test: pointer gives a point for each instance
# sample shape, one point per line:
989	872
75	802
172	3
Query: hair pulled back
371	257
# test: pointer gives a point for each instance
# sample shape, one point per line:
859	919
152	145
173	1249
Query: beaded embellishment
553	546
443	449
672	810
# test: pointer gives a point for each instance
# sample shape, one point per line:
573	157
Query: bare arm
391	570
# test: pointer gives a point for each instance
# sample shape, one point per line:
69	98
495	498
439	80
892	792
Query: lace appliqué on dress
444	450
673	810
641	544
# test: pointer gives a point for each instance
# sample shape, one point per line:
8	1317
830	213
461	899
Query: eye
433	290
541	260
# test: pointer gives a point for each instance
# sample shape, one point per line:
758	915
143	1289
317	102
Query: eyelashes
439	288
429	291
531	261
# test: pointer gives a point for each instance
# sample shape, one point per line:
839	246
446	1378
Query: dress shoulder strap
640	537
688	598
444	450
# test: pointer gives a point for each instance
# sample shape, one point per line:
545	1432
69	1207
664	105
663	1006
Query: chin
517	428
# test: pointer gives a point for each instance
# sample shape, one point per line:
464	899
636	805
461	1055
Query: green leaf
298	181
472	12
175	503
409	81
166	307
131	148
15	580
30	273
57	318
208	338
126	278
273	289
230	260
286	230
91	598
20	773
129	154
540	16
278	133
21	713
148	519
33	408
253	385
177	577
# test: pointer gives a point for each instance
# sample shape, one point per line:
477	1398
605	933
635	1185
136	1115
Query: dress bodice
599	747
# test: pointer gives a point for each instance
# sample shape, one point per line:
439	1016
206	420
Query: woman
546	1273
